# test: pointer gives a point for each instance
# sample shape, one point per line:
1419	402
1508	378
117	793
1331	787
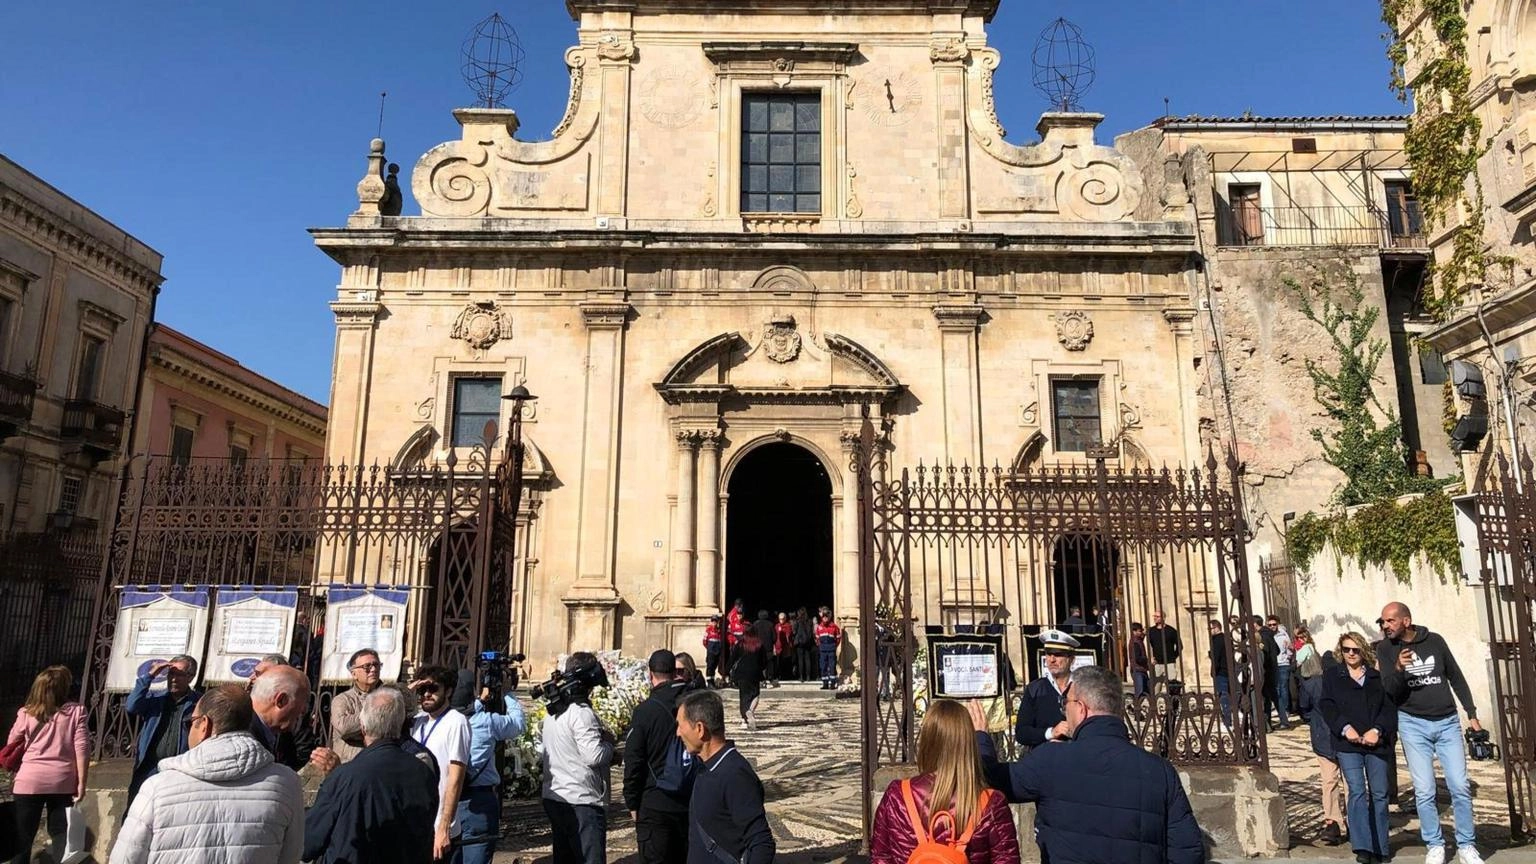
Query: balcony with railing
16	392
96	428
1242	224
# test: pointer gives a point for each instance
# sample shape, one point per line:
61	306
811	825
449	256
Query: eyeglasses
368	667
1379	622
1348	650
425	689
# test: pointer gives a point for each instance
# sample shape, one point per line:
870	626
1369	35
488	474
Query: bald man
280	702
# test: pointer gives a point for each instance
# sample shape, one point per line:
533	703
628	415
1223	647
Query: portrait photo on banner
358	618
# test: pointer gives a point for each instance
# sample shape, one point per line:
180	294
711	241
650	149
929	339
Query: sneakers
1467	855
1435	855
752	727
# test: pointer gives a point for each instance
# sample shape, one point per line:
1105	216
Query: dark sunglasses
1379	622
1350	651
424	689
679	671
369	667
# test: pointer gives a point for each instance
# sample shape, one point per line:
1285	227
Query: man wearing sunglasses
346	708
1042	713
445	734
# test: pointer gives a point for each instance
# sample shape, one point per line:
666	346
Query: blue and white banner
249	623
154	625
359	618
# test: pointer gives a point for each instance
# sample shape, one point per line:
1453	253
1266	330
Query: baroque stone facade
906	261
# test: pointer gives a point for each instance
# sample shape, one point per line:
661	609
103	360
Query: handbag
12	753
714	849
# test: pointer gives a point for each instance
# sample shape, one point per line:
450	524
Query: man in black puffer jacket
1099	798
661	817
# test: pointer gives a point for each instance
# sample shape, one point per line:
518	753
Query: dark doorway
779	531
1082	578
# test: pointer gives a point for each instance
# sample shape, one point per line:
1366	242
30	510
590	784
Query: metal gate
1506	526
47	584
1278	577
444	532
966	550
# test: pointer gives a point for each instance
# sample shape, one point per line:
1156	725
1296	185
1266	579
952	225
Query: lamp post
513	497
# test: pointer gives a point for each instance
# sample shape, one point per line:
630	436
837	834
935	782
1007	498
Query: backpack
677	770
930	851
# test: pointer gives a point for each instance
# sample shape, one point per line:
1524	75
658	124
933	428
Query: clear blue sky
217	132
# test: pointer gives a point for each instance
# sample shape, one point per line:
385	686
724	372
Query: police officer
714	650
1042	710
828	634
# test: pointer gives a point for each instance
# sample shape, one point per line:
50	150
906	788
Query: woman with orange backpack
946	814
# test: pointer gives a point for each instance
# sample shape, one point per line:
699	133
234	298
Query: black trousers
805	661
29	814
713	664
661	836
580	832
748	694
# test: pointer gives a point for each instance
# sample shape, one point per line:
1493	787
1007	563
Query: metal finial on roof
493	61
1063	65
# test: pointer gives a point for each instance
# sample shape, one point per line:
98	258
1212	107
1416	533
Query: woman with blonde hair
1363	719
948	802
53	765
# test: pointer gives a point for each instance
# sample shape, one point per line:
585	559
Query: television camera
562	688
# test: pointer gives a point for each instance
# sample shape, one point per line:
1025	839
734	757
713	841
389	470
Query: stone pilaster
846	592
958	329
616	54
1182	323
680	589
351	380
949	54
593	600
707	592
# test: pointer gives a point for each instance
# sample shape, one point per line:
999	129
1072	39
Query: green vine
1443	142
1387	533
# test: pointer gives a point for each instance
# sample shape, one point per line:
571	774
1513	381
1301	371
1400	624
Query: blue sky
217	132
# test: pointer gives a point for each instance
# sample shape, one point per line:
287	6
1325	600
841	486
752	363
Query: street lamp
518	396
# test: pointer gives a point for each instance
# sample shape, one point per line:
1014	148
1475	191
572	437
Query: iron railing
1337	225
47	585
16	392
97	426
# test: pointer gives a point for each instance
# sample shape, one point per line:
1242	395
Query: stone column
958	326
593	600
680	576
707	594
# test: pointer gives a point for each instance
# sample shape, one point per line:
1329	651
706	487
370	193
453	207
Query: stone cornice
984	9
958	317
794	52
1455	337
170	361
682	394
55	232
602	314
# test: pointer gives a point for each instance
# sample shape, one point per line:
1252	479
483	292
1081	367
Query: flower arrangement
629	684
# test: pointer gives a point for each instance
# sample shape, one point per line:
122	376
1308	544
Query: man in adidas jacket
661	817
1420	674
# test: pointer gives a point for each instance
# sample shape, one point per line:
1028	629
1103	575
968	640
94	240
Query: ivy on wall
1364	441
1444	139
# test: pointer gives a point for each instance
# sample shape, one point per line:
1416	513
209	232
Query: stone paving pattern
806	750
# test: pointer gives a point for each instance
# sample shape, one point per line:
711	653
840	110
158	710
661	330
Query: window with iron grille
69	495
1075	405
476	401
181	445
781	153
237	456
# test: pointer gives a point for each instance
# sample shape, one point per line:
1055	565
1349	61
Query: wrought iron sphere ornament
1064	67
493	61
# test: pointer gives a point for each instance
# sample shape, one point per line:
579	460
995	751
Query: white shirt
576	757
447	737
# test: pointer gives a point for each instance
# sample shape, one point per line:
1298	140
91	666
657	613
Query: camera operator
577	753
445	734
655	792
493	718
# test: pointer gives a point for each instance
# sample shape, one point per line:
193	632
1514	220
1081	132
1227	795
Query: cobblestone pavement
806	751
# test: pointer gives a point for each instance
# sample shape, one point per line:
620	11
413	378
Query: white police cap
1057	640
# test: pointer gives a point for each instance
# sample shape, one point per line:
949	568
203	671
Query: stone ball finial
376	146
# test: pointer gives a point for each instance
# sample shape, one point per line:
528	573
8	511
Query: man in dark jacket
1271	658
1165	645
379	807
166	716
725	814
1099	798
1042	716
661	817
1219	674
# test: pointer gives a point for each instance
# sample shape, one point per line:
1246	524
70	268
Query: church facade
756	225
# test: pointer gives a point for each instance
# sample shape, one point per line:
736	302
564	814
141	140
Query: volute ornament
1074	329
780	340
482	325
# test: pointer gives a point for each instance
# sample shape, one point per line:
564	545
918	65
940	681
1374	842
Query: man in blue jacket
166	714
1099	798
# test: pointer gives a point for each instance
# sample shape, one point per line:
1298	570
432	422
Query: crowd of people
411	775
791	645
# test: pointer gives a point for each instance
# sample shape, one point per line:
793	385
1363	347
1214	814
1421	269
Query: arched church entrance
1083	576
778	553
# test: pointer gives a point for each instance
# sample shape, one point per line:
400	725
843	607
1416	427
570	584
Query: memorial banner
247	624
358	618
153	626
965	666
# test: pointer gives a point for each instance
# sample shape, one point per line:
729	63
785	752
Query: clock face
888	97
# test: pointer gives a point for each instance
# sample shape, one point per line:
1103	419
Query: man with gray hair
375	807
165	715
280	698
1098	797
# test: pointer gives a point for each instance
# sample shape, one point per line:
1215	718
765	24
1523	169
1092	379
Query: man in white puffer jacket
224	801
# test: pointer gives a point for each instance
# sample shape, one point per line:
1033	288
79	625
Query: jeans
29	812
662	837
480	821
1222	685
1366	774
580	832
828	665
1141	683
1423	741
1283	694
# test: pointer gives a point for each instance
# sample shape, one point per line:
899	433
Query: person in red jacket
828	635
948	802
714	651
736	628
783	646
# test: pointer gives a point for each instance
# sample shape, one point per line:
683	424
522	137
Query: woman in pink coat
52	772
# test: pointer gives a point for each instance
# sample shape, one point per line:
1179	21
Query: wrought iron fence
47	584
1085	547
1506	524
444	532
1278	577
